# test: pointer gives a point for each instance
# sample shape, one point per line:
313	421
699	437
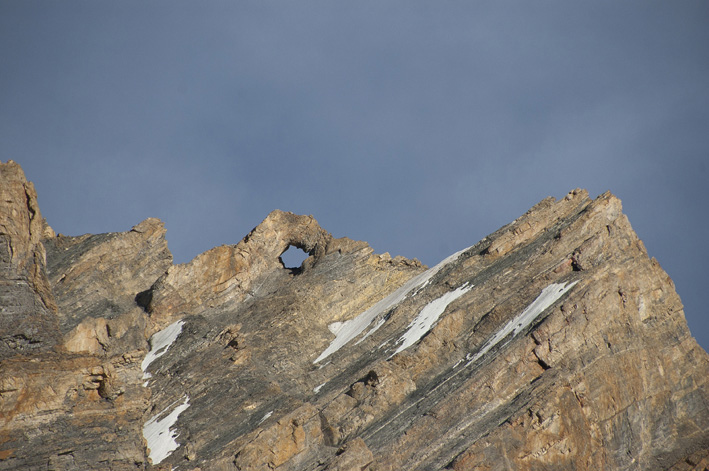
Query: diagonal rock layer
554	343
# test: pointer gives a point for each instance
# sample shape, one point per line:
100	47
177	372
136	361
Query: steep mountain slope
554	343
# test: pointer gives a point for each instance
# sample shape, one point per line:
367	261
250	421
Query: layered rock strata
24	288
553	343
72	338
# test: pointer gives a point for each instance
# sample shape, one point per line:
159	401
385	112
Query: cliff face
23	284
554	343
71	338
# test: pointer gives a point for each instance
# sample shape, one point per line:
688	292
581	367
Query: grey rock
553	343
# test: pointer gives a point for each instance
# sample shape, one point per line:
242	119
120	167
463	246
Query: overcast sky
419	127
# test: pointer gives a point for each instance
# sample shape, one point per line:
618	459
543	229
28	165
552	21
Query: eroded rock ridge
553	343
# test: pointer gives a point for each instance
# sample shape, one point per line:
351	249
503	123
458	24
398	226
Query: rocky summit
554	343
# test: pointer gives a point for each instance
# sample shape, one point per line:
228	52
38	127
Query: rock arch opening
293	258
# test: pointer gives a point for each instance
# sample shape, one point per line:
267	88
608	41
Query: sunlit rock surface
554	343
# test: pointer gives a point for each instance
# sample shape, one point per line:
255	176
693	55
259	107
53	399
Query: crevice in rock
144	298
545	366
28	202
328	432
372	379
575	264
104	388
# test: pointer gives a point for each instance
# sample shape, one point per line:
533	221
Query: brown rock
28	321
228	274
95	280
58	295
71	412
353	456
553	343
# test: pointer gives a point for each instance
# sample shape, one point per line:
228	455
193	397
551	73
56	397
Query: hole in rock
293	258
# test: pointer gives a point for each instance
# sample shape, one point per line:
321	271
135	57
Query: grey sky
419	127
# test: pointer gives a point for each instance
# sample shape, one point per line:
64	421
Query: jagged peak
554	342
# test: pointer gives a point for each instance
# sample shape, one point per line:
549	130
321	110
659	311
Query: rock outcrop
24	287
95	279
72	338
553	343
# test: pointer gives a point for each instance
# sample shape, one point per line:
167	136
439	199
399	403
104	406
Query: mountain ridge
553	343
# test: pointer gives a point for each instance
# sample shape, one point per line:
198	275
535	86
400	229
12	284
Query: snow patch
548	296
379	323
335	327
266	416
160	342
160	436
348	330
428	316
317	389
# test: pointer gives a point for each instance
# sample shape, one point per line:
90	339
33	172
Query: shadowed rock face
554	343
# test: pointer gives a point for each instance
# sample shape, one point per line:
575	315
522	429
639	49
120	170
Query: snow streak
160	342
428	316
348	330
159	435
548	296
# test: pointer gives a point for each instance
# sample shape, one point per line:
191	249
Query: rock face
23	282
71	394
554	343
